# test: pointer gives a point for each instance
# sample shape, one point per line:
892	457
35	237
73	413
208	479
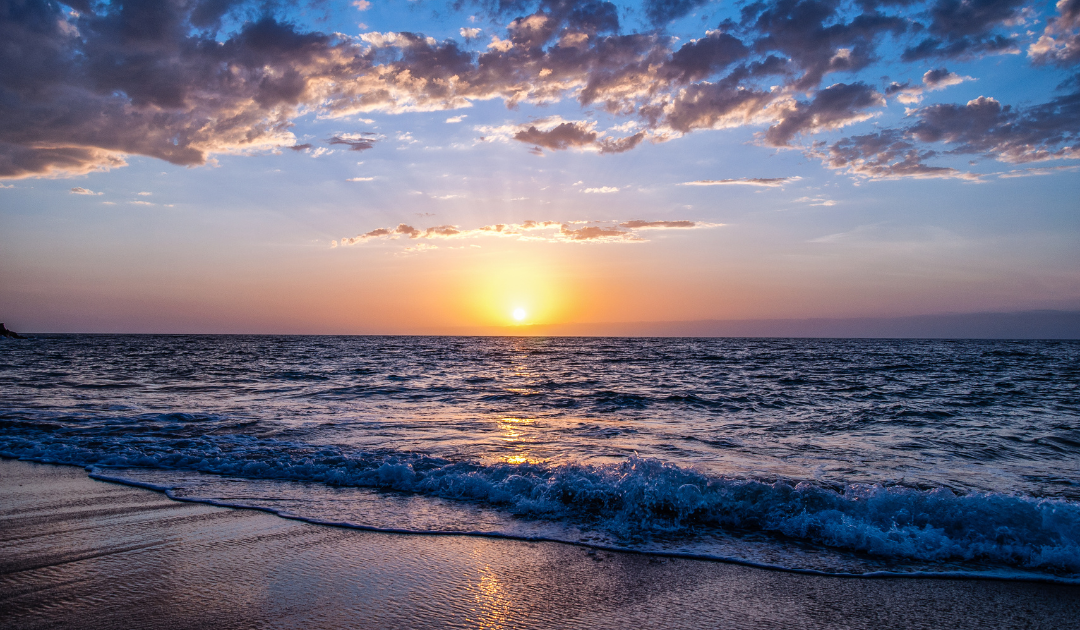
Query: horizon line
1031	324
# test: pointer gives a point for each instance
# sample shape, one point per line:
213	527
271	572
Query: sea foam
639	499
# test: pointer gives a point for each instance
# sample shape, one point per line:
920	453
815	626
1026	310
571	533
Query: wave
634	501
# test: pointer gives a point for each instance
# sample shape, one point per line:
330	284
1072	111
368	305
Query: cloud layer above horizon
546	231
84	85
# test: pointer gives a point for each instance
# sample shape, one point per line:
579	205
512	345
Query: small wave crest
635	501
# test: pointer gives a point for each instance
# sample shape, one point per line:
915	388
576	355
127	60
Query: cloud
1060	41
936	79
982	126
546	231
941	78
767	182
638	224
18	161
457	119
360	179
561	137
602	190
985	126
469	33
597	233
85	89
819	38
836	106
145	194
355	141
361	5
555	134
816	201
887	154
1032	172
79	190
702	58
965	29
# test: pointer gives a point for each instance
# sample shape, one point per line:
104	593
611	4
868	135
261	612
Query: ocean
864	457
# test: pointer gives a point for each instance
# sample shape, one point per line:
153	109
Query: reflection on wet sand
77	553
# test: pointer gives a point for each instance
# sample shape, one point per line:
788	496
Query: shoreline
79	552
100	475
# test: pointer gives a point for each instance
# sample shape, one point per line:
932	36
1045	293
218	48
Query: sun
519	314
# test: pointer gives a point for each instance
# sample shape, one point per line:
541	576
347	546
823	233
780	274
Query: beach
77	552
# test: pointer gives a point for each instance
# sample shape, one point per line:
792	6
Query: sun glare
519	314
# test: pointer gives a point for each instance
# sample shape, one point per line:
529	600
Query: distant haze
1026	325
1019	325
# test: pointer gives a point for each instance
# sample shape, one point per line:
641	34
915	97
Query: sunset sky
419	166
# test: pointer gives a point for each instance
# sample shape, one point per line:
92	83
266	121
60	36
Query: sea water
840	456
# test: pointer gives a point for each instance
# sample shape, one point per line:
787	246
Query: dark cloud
938	76
569	135
77	92
982	126
985	126
300	147
966	18
355	142
833	107
1060	41
885	155
936	79
562	137
713	106
22	161
705	57
557	16
817	35
80	91
208	13
962	28
618	145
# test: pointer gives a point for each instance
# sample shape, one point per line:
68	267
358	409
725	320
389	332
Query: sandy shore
80	553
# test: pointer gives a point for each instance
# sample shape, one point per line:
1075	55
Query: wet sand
80	553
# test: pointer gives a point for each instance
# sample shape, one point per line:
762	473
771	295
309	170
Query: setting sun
519	314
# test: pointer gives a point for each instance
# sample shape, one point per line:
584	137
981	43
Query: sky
399	167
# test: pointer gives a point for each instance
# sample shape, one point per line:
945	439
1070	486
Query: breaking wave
635	501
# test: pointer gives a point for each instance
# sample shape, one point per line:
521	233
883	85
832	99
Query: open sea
860	457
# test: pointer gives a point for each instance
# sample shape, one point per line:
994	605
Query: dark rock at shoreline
10	334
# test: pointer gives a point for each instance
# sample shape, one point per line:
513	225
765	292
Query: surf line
97	473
